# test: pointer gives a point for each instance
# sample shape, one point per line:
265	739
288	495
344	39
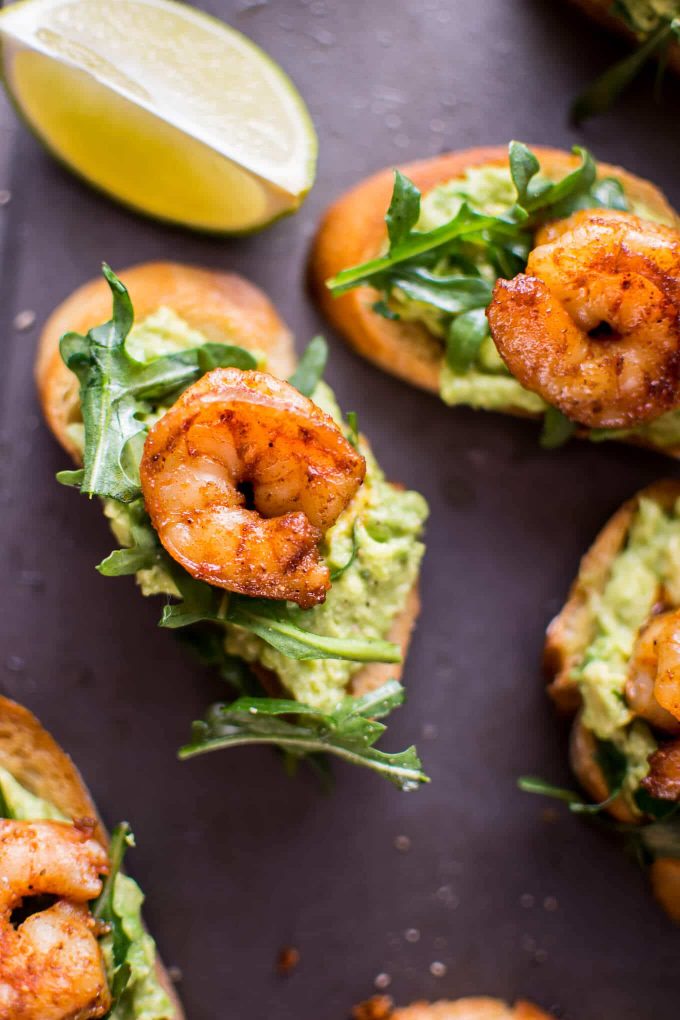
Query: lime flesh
161	106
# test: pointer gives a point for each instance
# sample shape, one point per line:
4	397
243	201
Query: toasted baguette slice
227	309
601	11
224	307
570	633
36	761
477	1008
567	639
353	230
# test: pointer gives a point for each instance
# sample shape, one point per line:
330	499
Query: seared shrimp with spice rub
235	435
51	965
593	325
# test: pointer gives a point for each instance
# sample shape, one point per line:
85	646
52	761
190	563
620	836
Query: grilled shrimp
667	680
593	326
644	677
51	966
234	434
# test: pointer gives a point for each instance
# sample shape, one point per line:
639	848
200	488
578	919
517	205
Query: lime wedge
161	106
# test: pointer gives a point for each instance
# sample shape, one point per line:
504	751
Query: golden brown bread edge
353	230
601	11
37	761
474	1008
567	638
224	307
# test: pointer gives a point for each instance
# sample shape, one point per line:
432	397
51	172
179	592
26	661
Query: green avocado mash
649	563
383	522
488	384
143	999
644	15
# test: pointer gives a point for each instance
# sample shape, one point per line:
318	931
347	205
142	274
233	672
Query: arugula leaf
614	767
116	390
541	199
73	478
311	367
466	223
145	551
557	429
467	333
605	90
353	426
451	293
104	910
404	210
349	732
523	168
199	602
275	623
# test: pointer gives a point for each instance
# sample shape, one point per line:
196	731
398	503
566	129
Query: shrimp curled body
233	430
653	684
667	679
51	966
593	326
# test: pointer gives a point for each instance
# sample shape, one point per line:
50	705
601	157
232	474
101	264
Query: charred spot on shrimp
242	477
593	325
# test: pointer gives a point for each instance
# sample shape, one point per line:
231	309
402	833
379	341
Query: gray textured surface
236	859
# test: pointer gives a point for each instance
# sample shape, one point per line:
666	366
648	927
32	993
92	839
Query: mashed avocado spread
383	524
648	565
143	999
487	384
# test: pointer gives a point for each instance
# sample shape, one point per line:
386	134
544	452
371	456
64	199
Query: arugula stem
306	746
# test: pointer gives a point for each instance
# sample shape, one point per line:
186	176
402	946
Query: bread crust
570	632
353	230
225	307
474	1008
600	11
567	639
37	761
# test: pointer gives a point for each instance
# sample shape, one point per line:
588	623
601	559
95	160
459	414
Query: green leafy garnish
273	622
605	90
446	269
404	209
116	391
311	367
467	333
349	732
352	428
557	429
614	766
541	199
103	909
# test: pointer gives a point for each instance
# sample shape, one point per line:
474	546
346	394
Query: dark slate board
236	859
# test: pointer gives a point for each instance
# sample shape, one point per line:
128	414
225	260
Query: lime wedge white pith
161	106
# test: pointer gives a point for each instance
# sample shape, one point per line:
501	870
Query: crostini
73	942
258	513
612	656
496	278
380	1007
